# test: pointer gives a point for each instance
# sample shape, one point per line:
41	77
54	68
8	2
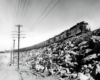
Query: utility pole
18	42
13	50
18	36
11	57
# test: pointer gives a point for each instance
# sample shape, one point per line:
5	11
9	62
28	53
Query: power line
15	12
47	13
28	3
17	9
36	12
42	14
22	10
34	8
50	10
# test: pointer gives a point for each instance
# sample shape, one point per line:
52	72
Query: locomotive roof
82	22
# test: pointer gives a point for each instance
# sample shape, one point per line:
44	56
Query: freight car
77	29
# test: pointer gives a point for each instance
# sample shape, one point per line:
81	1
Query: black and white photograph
49	39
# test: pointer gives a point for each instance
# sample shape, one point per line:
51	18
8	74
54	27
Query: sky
43	19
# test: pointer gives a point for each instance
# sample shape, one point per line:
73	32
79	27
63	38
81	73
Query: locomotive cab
85	27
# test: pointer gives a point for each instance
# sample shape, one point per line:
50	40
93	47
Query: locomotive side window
69	33
57	38
65	34
62	35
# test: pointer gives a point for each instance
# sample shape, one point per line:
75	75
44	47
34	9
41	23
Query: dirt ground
7	72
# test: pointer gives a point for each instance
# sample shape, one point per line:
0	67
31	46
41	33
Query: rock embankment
75	58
